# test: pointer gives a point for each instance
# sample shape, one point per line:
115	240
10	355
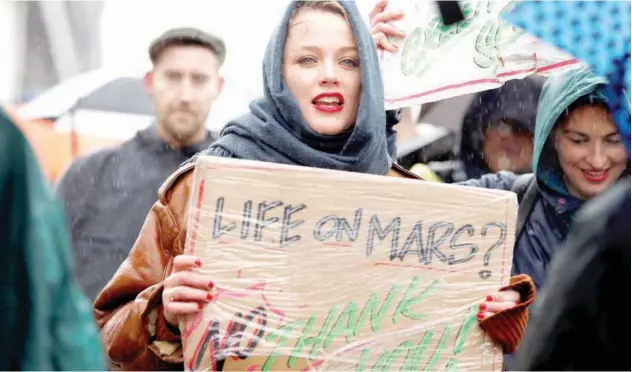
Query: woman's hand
186	290
381	29
498	302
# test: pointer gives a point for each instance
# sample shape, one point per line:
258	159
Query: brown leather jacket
129	312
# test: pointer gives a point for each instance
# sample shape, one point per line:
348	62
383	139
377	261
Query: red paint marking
256	367
196	323
238	273
278	312
312	365
302	306
223	242
260	286
341	245
418	267
484	81
196	217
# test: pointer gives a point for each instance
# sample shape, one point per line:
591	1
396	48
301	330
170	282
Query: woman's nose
328	74
598	158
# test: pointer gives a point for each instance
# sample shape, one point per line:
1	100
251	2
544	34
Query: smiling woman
590	151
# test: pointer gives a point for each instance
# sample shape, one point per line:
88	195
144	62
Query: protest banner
327	270
481	52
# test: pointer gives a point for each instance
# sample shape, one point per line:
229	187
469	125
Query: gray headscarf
275	131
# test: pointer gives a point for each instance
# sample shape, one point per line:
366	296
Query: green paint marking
465	331
410	300
440	348
416	354
344	326
282	335
370	308
362	361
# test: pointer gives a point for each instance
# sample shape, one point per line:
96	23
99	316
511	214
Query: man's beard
182	135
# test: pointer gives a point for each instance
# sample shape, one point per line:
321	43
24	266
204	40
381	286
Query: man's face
183	85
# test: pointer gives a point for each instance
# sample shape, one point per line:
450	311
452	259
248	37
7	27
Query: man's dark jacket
107	196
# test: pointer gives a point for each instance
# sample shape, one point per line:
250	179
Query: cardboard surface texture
328	270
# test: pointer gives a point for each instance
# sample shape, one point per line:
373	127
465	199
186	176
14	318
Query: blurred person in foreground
107	194
47	322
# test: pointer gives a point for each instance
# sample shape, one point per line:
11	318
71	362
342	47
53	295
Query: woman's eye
578	141
306	60
614	140
348	62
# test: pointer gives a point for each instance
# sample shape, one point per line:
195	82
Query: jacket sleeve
507	327
129	309
497	181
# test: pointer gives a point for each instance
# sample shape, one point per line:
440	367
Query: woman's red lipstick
329	102
595	176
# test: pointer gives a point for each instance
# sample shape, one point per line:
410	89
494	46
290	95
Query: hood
516	100
558	94
275	131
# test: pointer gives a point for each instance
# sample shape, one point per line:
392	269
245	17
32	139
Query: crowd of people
553	142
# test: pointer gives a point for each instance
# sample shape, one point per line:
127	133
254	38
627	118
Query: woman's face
590	151
321	66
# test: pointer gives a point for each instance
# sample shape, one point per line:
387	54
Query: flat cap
187	36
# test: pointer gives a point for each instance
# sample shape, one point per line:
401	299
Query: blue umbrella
596	32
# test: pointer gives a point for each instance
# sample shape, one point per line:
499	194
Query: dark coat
107	196
582	319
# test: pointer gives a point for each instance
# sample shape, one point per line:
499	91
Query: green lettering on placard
362	361
281	334
370	308
410	300
415	355
466	329
302	341
388	358
439	349
344	326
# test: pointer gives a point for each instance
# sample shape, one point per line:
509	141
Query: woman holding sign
323	107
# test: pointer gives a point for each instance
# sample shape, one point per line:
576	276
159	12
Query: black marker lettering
262	221
433	244
376	227
343	225
218	229
262	320
415	237
469	229
288	224
319	234
245	222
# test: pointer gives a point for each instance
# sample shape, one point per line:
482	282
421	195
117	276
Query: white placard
436	62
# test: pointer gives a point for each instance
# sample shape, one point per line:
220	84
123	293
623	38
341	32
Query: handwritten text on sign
480	52
333	270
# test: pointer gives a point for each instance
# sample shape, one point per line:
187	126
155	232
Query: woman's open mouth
329	102
595	176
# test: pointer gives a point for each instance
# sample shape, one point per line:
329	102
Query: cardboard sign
481	52
329	270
